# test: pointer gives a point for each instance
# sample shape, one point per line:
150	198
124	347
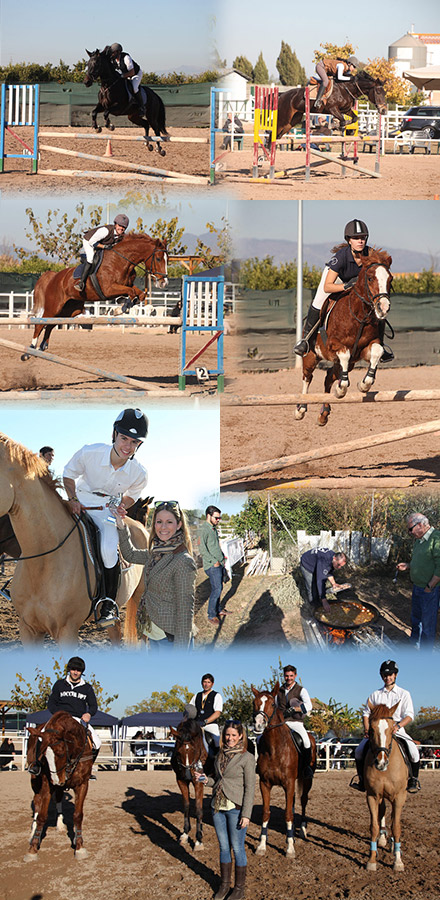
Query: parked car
425	119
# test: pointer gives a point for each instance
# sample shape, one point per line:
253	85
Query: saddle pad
314	87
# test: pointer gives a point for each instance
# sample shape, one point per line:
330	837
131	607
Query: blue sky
246	27
346	676
159	36
181	466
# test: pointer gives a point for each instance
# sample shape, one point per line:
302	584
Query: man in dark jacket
317	567
74	695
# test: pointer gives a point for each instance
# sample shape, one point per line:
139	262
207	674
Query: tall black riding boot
305	344
307	762
387	354
360	771
109	613
318	101
225	882
413	781
85	274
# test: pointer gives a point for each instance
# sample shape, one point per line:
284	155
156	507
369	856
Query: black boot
85	274
307	762
318	101
387	354
360	786
109	613
304	345
413	781
225	882
240	882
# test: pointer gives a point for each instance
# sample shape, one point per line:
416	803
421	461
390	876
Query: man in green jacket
424	571
213	562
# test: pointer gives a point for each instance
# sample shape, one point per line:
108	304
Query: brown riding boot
240	883
225	883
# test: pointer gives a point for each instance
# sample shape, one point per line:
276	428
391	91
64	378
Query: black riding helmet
115	49
75	662
356	229
131	422
388	667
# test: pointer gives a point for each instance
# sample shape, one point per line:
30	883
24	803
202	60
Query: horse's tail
161	118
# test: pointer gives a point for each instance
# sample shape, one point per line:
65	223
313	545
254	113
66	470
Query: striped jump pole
307	112
202	312
19	105
265	119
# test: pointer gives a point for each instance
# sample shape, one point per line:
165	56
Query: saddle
403	747
314	87
90	545
97	262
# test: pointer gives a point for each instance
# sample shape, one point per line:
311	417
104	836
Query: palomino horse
114	99
189	752
352	332
61	753
386	777
279	764
55	294
342	101
54	580
9	545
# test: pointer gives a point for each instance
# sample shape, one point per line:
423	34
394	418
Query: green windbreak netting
71	103
267	329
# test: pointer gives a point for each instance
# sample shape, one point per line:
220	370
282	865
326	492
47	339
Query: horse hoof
323	419
29	857
110	126
81	853
290	853
382	842
304	831
162	151
24	357
150	147
364	388
198	846
260	851
183	839
341	390
98	129
300	412
398	866
371	867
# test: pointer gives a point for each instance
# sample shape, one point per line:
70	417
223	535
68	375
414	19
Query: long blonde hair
179	516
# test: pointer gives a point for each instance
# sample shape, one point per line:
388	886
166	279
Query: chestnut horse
189	749
341	102
55	293
54	580
61	753
352	331
114	99
386	778
279	764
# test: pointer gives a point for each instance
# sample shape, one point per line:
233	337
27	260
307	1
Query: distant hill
319	254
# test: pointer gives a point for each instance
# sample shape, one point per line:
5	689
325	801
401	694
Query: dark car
422	118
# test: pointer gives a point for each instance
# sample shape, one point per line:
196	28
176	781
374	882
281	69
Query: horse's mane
377	255
189	730
379	712
30	462
141	235
364	76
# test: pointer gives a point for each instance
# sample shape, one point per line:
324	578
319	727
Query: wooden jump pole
93	320
364	443
111	136
330	158
192	179
294	399
114	176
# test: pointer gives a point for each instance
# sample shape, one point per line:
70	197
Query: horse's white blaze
50	756
382	759
260	720
383	305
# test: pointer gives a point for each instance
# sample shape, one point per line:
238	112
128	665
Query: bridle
186	766
71	762
371	300
375	750
151	271
268	719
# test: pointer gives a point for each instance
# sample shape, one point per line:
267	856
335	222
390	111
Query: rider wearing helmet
340	274
294	702
130	71
101	238
99	476
340	69
389	695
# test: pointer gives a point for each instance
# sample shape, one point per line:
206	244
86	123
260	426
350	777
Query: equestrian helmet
75	662
388	667
122	220
133	423
356	229
115	49
353	60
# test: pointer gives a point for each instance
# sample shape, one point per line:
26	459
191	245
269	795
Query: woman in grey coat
166	611
232	802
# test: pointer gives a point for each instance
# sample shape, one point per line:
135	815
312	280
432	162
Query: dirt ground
192	159
403	177
149	355
273	432
132	824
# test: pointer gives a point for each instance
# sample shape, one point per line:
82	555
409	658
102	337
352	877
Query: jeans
230	836
310	586
215	575
424	610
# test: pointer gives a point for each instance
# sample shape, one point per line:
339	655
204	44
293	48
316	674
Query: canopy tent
427	78
148	720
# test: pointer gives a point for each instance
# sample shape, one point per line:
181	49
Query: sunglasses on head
232	722
173	505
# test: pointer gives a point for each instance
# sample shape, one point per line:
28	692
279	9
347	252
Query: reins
142	262
71	765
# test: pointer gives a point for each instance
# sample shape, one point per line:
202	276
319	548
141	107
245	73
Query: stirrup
79	287
109	617
387	355
357	785
35	768
413	785
302	347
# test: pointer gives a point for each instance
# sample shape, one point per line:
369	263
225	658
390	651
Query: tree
60	237
173	700
33	697
397	90
242	64
334	716
260	73
289	68
333	51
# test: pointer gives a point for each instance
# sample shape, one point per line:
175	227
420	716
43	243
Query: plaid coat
169	591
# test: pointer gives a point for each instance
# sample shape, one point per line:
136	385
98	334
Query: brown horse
61	753
189	750
279	764
340	103
114	99
55	294
54	580
386	777
352	331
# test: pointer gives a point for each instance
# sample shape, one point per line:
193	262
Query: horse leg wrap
290	833
373	846
36	837
264	830
371	374
397	847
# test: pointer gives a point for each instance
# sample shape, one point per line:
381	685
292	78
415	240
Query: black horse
340	103
114	99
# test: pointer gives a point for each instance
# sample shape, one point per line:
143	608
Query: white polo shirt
389	698
91	469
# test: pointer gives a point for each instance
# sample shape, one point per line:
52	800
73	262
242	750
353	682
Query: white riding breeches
136	80
89	250
96	740
212	729
109	535
413	750
321	294
299	728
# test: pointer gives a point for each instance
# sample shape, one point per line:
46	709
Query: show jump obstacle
20	106
202	312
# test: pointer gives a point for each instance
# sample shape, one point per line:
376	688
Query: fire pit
344	618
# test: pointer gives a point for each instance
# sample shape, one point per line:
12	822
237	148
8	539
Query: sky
181	466
159	36
344	675
248	27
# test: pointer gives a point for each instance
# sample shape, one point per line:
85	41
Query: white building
414	51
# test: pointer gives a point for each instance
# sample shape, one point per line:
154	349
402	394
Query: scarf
158	550
224	757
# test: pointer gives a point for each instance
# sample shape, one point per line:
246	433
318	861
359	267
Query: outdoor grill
349	621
